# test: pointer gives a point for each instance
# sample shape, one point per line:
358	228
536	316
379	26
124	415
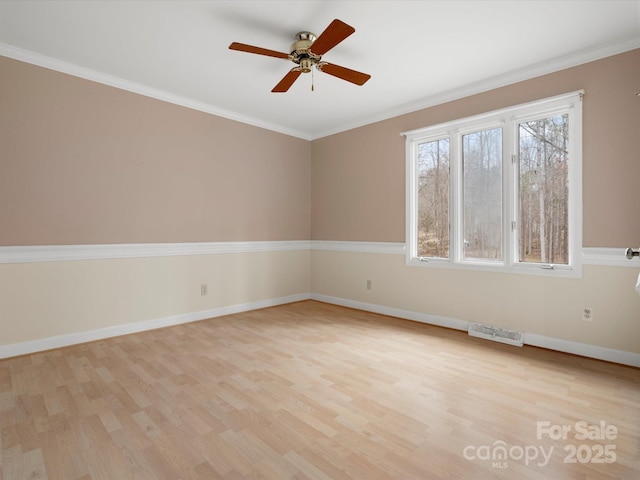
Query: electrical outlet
368	284
587	314
203	289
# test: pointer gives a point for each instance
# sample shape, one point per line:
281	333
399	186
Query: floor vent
496	334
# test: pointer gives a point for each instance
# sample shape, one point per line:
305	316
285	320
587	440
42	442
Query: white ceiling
419	53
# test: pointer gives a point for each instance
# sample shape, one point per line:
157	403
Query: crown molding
508	78
127	85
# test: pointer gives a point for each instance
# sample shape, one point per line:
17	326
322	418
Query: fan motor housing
301	53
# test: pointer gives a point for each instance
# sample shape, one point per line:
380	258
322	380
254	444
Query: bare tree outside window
433	198
543	190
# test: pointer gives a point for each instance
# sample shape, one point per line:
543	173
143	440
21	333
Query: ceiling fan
306	53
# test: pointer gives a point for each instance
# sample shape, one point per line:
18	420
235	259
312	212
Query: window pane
433	199
543	190
482	180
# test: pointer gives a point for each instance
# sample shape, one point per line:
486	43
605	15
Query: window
499	191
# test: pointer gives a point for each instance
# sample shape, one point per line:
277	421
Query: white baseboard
583	349
565	346
394	312
40	345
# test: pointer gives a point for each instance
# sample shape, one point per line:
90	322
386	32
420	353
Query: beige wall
84	163
43	300
358	176
358	194
551	307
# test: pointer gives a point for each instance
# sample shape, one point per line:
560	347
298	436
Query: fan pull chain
312	78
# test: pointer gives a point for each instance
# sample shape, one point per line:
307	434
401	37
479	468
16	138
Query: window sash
436	189
543	172
478	183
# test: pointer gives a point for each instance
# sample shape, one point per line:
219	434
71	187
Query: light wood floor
311	391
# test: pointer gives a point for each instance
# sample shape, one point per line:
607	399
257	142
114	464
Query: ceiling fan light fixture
300	51
306	64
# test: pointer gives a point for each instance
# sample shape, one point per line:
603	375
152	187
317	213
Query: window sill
558	271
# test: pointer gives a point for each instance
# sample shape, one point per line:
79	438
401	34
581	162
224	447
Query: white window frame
508	119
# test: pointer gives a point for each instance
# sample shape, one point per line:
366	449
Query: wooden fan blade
287	81
336	32
242	47
344	73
